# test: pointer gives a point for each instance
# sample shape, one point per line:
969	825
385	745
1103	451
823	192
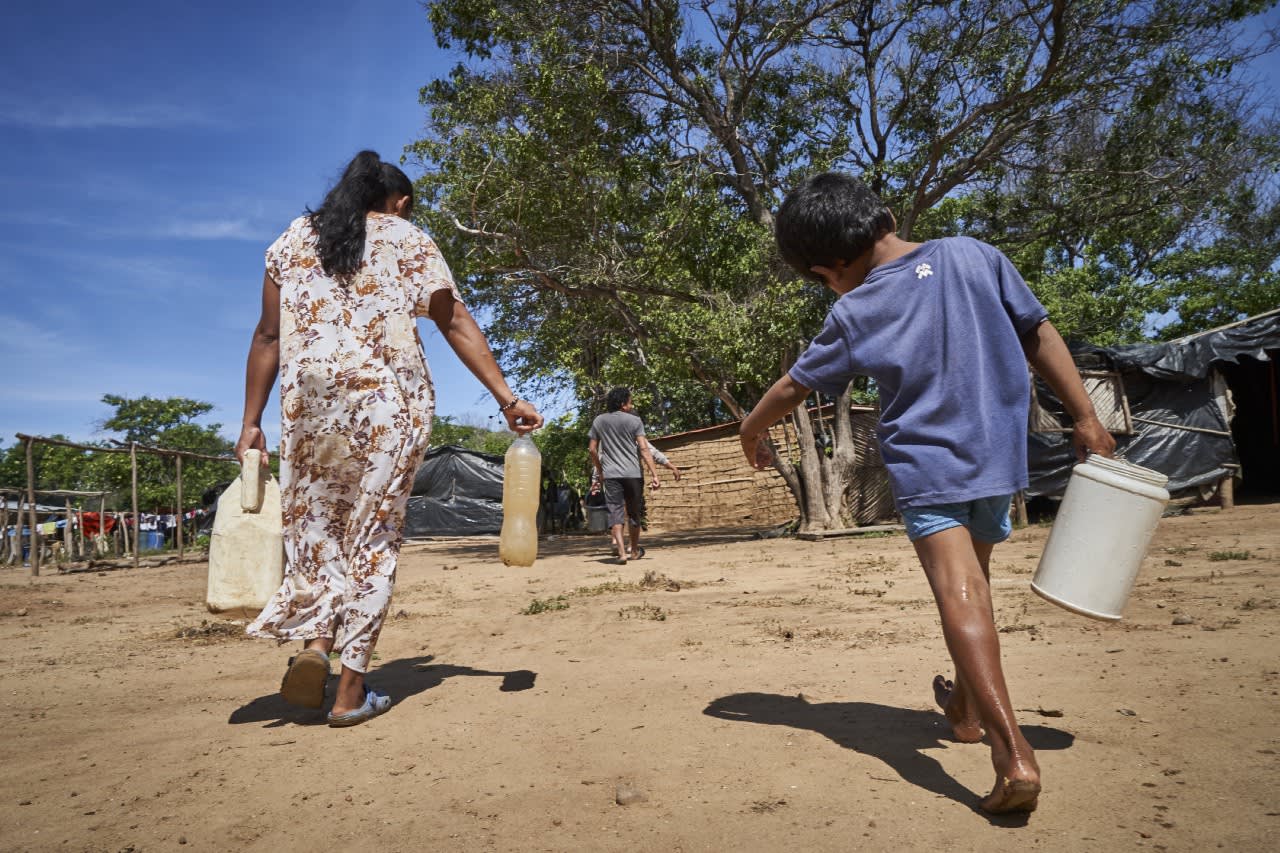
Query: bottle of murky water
521	484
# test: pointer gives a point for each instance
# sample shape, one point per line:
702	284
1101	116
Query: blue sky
150	153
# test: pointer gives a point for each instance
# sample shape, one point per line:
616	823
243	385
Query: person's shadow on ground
896	736
397	679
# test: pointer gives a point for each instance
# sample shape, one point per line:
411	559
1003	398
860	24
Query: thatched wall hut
869	498
718	489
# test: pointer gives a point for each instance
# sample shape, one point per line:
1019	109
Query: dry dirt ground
774	695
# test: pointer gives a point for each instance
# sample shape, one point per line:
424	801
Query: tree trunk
813	512
820	484
838	469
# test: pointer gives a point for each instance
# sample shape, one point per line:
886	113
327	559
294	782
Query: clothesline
133	449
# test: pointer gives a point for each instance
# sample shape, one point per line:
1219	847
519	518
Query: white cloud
215	229
35	219
61	113
165	278
26	343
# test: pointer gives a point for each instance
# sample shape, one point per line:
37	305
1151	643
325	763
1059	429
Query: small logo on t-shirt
923	270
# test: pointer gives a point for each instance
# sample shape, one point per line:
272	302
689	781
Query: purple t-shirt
939	331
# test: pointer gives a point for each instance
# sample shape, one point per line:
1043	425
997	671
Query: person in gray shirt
660	460
614	439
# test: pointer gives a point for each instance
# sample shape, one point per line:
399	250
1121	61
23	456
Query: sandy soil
774	696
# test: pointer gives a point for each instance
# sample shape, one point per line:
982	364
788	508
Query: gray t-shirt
616	434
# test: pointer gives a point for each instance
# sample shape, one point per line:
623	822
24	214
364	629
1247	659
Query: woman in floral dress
342	288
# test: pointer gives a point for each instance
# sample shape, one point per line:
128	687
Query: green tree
602	174
55	468
164	423
1235	272
445	430
563	444
170	423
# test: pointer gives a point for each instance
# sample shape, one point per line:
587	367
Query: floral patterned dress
356	400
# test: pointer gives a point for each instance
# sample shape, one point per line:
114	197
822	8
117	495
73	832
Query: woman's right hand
251	438
523	418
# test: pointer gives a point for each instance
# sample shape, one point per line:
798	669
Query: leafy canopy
602	175
170	423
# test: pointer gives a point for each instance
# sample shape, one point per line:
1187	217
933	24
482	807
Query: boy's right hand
759	454
1088	435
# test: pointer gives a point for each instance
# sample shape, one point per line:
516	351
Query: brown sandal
304	680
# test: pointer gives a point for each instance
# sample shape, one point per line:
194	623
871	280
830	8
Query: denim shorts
987	519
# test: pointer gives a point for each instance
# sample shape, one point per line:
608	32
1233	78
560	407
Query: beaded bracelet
502	410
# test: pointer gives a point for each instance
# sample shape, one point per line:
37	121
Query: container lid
1128	469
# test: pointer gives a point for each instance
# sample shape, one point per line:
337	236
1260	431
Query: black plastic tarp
456	492
1170	383
1192	357
1189	457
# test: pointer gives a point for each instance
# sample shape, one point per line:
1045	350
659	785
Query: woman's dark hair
339	224
617	398
830	217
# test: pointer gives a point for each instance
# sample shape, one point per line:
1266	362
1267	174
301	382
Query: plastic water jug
1104	526
521	483
246	551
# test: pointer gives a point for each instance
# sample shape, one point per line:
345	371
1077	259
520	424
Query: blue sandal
374	704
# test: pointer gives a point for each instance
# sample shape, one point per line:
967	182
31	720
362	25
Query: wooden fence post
34	533
66	530
1227	490
1020	508
102	523
4	528
15	547
20	522
179	460
137	524
14	554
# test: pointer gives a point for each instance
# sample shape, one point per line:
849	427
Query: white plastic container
1104	526
521	487
246	551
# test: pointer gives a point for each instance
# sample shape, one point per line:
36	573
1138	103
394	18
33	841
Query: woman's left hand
523	418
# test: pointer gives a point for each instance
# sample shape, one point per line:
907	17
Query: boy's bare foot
965	725
1017	787
1012	795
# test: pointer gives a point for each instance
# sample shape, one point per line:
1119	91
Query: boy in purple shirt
945	328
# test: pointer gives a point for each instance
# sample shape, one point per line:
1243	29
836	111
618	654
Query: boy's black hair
830	217
617	398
